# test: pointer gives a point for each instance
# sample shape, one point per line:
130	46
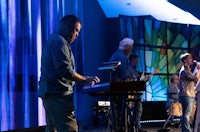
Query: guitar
144	78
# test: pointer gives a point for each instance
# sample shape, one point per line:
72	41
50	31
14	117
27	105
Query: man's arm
85	79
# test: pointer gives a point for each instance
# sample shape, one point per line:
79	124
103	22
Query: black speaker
154	110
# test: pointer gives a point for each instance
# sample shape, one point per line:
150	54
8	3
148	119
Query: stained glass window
159	46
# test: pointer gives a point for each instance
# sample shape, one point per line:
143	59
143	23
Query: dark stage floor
103	129
149	127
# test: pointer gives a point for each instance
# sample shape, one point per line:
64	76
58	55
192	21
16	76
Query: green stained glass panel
156	58
194	36
177	35
154	32
174	63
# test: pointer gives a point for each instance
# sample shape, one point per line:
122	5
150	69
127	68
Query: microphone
196	63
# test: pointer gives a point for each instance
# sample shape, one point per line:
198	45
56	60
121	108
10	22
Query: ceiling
170	11
191	6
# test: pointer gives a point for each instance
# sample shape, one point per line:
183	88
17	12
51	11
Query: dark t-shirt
57	67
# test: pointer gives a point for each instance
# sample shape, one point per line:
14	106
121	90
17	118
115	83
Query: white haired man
122	54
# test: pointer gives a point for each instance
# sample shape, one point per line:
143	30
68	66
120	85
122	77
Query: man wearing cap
187	89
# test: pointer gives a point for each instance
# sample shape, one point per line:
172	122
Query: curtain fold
24	28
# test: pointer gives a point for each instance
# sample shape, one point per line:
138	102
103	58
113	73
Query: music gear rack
115	89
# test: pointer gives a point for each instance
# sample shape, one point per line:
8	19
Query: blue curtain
24	27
